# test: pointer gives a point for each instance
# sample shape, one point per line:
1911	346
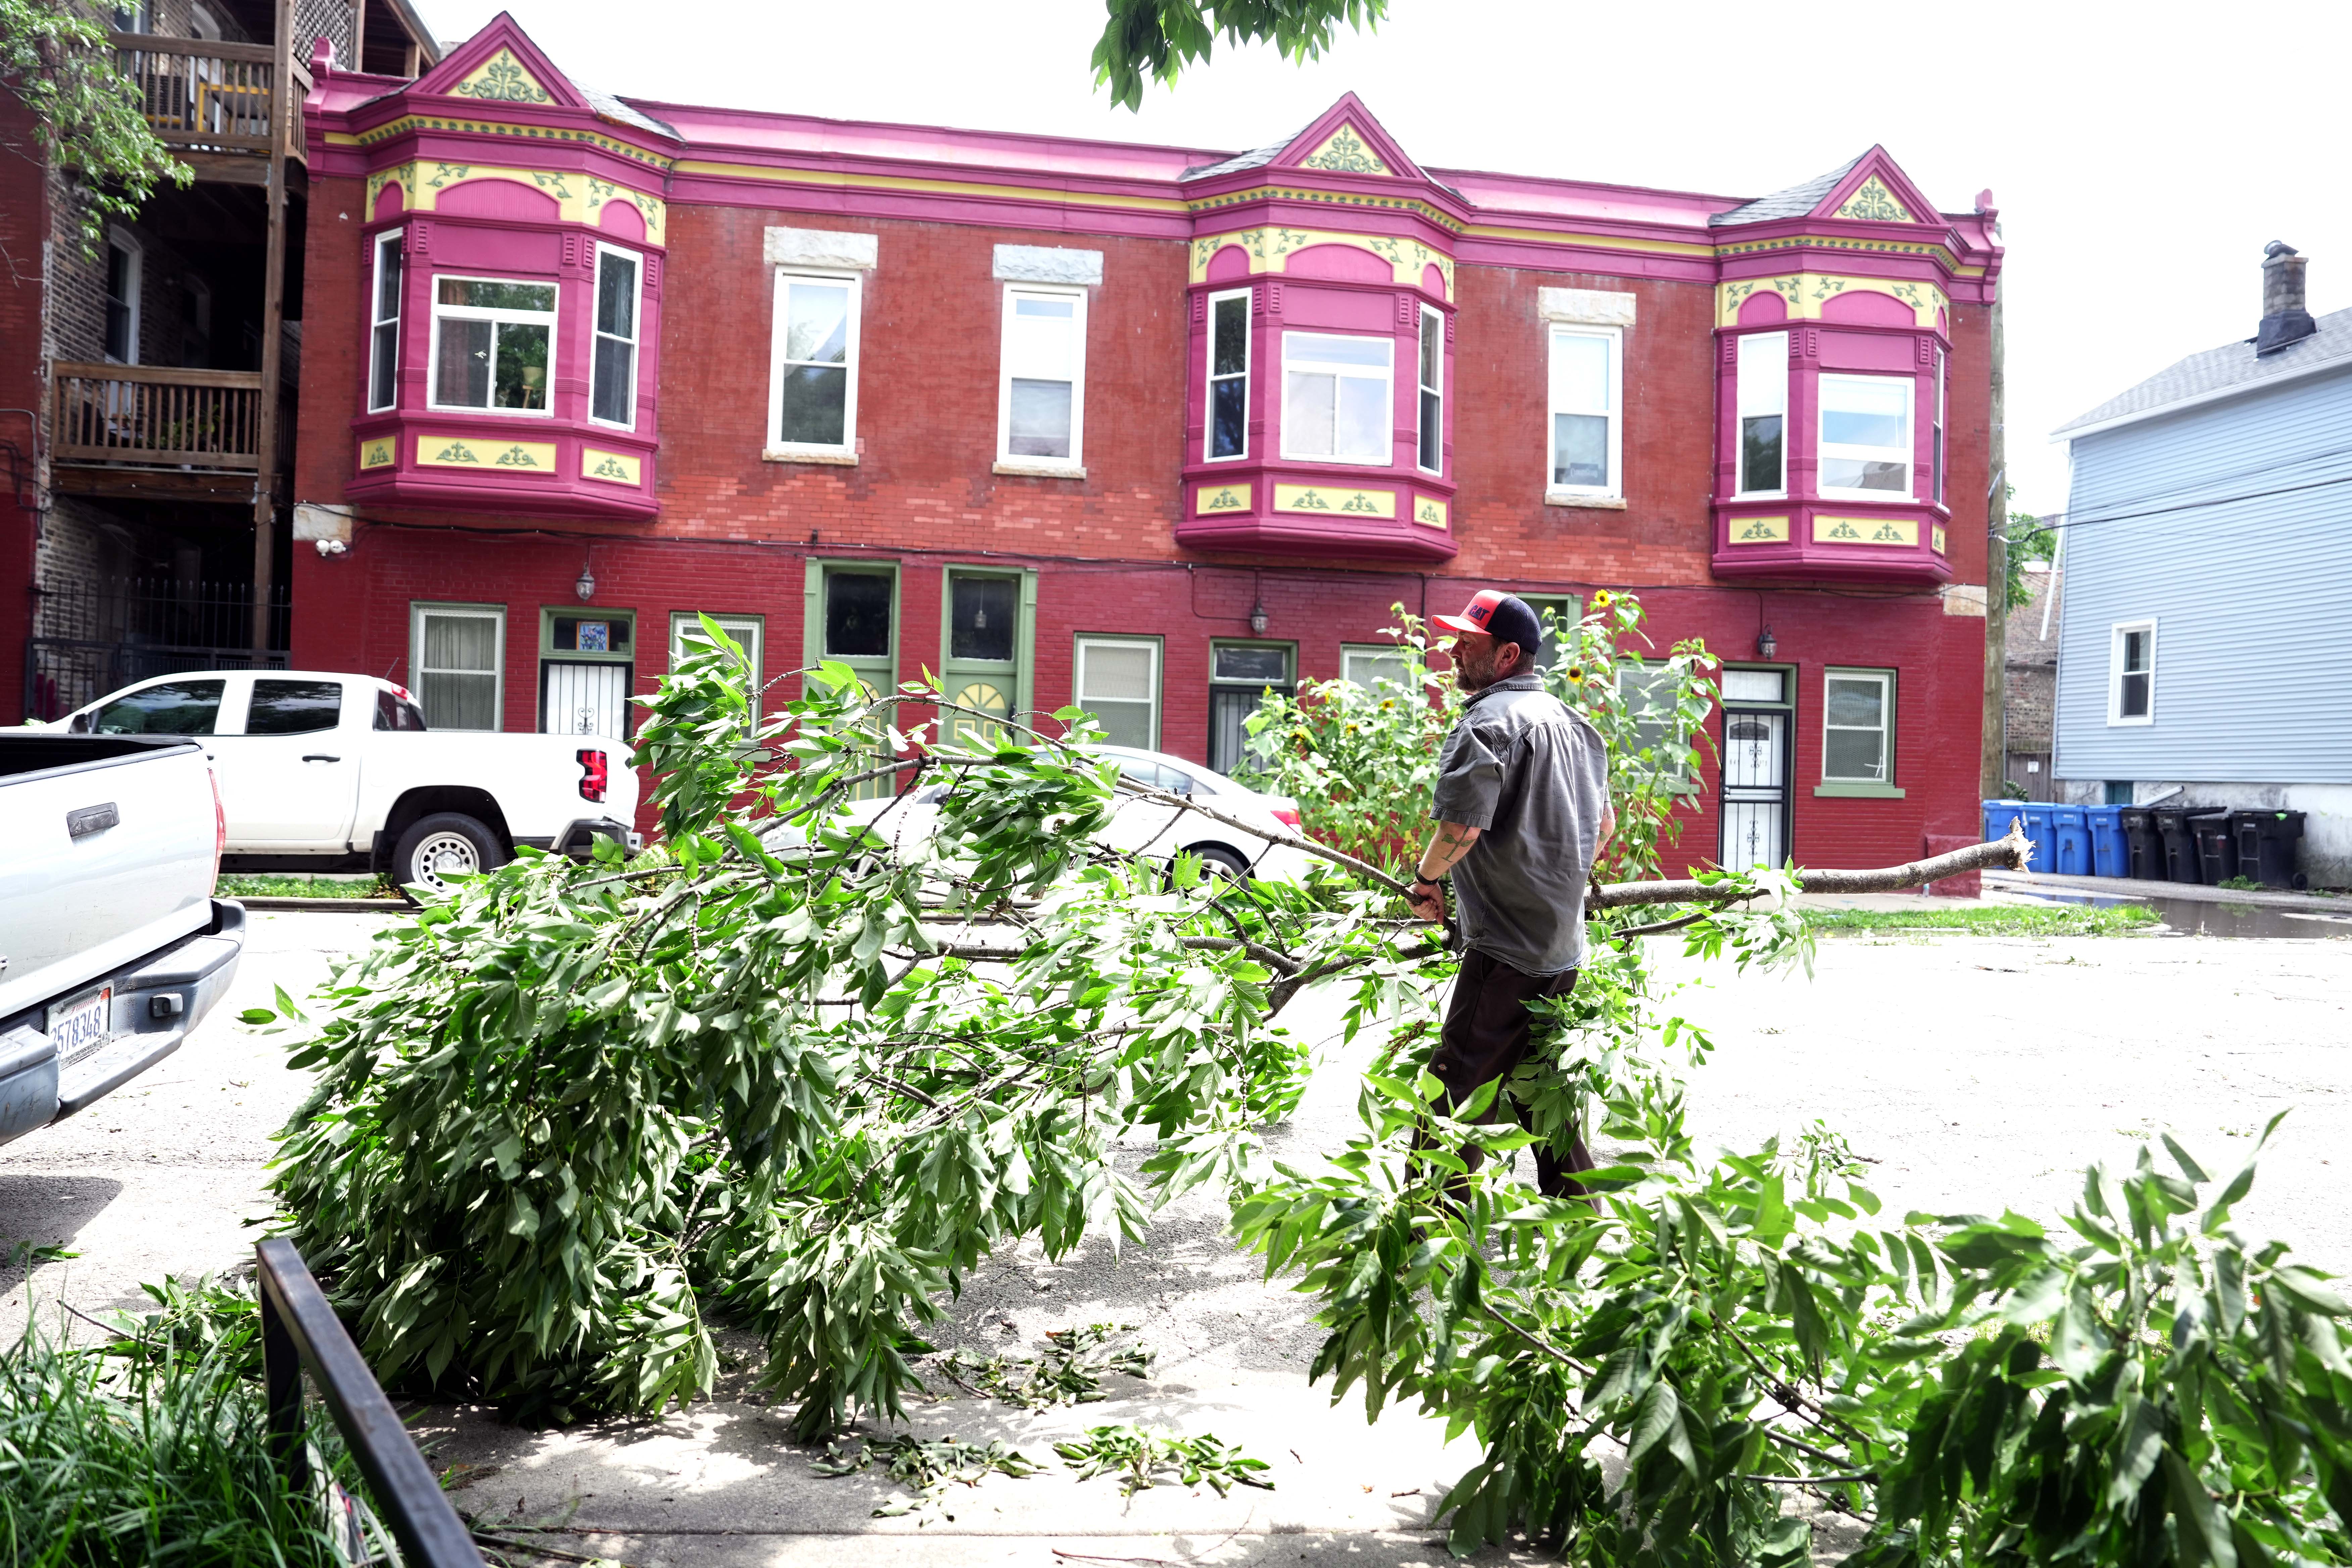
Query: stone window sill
1858	791
1035	468
788	453
1575	499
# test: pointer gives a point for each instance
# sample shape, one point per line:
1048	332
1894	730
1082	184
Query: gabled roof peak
501	64
1344	139
1866	188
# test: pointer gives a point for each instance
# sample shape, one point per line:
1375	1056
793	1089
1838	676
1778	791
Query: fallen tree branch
2011	853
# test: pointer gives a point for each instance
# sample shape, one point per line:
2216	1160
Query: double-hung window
1042	384
812	370
1118	681
123	270
1433	390
1336	397
455	664
1936	487
1229	366
1587	377
383	341
1867	436
1858	727
492	345
1366	667
685	626
1763	413
1651	694
2131	673
613	384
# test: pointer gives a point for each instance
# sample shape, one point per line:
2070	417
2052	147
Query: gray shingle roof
1794	202
608	106
1257	159
2227	368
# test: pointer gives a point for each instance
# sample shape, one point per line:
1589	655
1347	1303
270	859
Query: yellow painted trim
944	188
1344	152
1270	249
579	198
613	468
380	453
1210	499
1803	293
1937	533
1430	512
1872	202
485	452
1759	531
1326	499
1592	241
1334	198
391	128
1903	531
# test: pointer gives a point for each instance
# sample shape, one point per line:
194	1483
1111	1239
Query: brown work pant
1484	1038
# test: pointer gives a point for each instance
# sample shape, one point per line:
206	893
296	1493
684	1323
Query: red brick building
1140	428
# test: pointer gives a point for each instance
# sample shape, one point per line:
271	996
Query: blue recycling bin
2110	851
2043	830
1998	814
2073	833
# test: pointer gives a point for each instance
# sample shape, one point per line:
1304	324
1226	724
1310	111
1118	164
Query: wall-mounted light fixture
585	586
1257	619
1766	644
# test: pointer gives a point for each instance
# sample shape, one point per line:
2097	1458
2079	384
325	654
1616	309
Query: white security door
582	697
1755	790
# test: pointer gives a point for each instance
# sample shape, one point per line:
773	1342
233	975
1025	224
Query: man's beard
1477	670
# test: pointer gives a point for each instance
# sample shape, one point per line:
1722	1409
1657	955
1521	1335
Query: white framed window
1865	450
1041	395
1763	399
1339	397
1375	662
1565	613
2131	672
125	269
1587	433
1116	679
1858	726
813	364
457	664
1936	484
613	377
1433	390
749	630
1651	693
383	325
493	344
1229	368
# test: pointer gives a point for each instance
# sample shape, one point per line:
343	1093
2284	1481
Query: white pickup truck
111	945
330	772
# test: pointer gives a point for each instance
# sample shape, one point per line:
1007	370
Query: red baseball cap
1505	618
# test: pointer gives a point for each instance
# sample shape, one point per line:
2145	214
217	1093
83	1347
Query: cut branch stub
2010	853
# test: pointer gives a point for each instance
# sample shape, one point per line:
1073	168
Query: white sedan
1144	826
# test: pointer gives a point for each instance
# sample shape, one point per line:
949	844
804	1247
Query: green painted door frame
1013	685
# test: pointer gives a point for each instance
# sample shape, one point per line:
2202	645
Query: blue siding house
2206	650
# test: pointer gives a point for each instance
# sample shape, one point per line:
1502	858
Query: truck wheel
1219	864
445	845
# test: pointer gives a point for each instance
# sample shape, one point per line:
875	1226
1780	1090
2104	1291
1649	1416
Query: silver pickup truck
111	945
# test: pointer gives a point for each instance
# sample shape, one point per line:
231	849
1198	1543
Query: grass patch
302	884
1991	919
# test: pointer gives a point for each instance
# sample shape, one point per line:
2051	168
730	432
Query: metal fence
93	639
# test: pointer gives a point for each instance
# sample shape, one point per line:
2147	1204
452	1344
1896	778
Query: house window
1858	726
1763	395
613	394
1865	436
1937	481
1366	666
812	377
1240	675
2131	673
586	664
455	664
122	278
1651	693
1118	681
1336	398
748	631
1229	357
491	344
1433	390
985	665
1586	376
384	342
1041	392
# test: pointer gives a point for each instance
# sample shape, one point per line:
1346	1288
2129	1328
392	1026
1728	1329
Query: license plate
80	1026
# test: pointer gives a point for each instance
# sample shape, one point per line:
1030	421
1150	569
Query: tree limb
2010	853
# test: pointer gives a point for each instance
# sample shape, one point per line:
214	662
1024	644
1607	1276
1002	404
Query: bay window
1337	397
1763	398
813	374
1433	390
1936	485
383	340
1229	365
491	340
1041	393
1865	440
612	396
1586	378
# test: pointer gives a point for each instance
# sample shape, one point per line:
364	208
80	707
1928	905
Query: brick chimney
2284	320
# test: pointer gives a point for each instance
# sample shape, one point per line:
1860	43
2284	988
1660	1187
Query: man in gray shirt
1522	812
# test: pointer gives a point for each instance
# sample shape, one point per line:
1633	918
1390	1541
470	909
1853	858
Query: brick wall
2030	701
24	246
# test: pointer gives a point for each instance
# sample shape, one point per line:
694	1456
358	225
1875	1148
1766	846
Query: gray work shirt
1533	778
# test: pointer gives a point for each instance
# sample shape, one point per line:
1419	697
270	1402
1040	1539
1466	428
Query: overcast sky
2141	157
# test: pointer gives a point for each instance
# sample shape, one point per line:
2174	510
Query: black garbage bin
2179	845
2265	841
2143	856
2216	848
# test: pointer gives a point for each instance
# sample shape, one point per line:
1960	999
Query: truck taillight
1288	816
220	825
592	774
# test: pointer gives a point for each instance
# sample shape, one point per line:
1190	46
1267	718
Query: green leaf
1659	1420
2204	1534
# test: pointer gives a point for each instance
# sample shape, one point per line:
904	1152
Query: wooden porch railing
145	414
209	96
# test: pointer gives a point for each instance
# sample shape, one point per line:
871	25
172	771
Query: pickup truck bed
111	945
